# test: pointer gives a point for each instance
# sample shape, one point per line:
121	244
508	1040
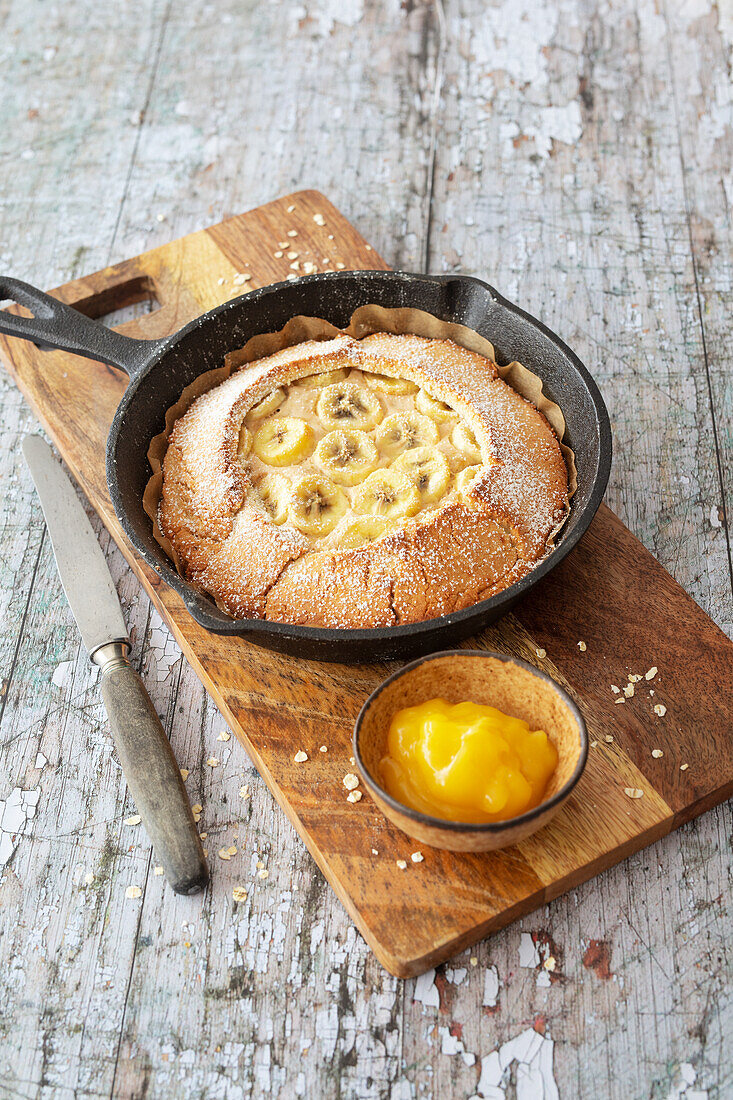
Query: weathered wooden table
577	155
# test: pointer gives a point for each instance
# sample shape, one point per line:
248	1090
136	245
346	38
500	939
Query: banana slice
348	405
316	505
268	405
387	493
346	455
318	381
403	430
274	492
283	441
387	384
464	441
244	443
361	531
428	470
466	478
436	410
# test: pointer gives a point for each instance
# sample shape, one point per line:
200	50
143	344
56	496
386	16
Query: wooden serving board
610	593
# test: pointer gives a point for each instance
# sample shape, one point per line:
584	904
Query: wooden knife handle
151	771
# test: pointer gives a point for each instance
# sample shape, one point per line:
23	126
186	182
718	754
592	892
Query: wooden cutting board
609	593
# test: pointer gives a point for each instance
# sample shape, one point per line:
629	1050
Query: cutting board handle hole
125	301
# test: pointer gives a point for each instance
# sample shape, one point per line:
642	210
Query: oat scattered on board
417	857
402	864
295	265
291	208
473	960
282	244
239	893
134	819
197	808
541	653
651	673
213	761
684	767
224	736
582	647
278	255
291	276
353	796
293	255
634	677
157	870
550	963
375	852
203	836
629	690
224	853
351	781
89	878
241	277
633	792
185	774
309	268
319	219
657	753
594	744
244	790
619	700
292	232
323	748
615	689
220	281
263	873
340	266
660	709
133	892
300	757
608	738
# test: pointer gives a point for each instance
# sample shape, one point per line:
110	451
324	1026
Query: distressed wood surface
277	706
578	156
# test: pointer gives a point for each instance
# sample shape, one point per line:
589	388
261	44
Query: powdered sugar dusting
453	553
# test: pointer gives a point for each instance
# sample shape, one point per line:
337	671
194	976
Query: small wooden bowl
511	685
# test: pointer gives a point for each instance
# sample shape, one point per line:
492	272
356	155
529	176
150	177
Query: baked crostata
361	483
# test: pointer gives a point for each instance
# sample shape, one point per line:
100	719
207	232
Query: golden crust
441	561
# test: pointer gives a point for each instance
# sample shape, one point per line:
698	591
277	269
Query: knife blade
147	760
82	566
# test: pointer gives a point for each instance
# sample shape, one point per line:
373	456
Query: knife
147	760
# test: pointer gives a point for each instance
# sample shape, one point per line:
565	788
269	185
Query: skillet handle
55	325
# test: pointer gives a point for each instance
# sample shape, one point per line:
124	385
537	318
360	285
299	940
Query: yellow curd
466	762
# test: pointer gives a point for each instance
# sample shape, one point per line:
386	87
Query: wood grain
427	123
417	920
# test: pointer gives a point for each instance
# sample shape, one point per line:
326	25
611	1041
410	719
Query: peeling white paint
163	645
685	1077
456	976
492	983
63	674
535	1079
451	1044
426	991
41	761
15	812
529	955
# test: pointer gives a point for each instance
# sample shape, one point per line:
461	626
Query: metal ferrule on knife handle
112	655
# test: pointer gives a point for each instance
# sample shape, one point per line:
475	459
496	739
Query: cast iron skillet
160	369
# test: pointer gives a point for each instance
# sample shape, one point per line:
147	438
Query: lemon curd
466	762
